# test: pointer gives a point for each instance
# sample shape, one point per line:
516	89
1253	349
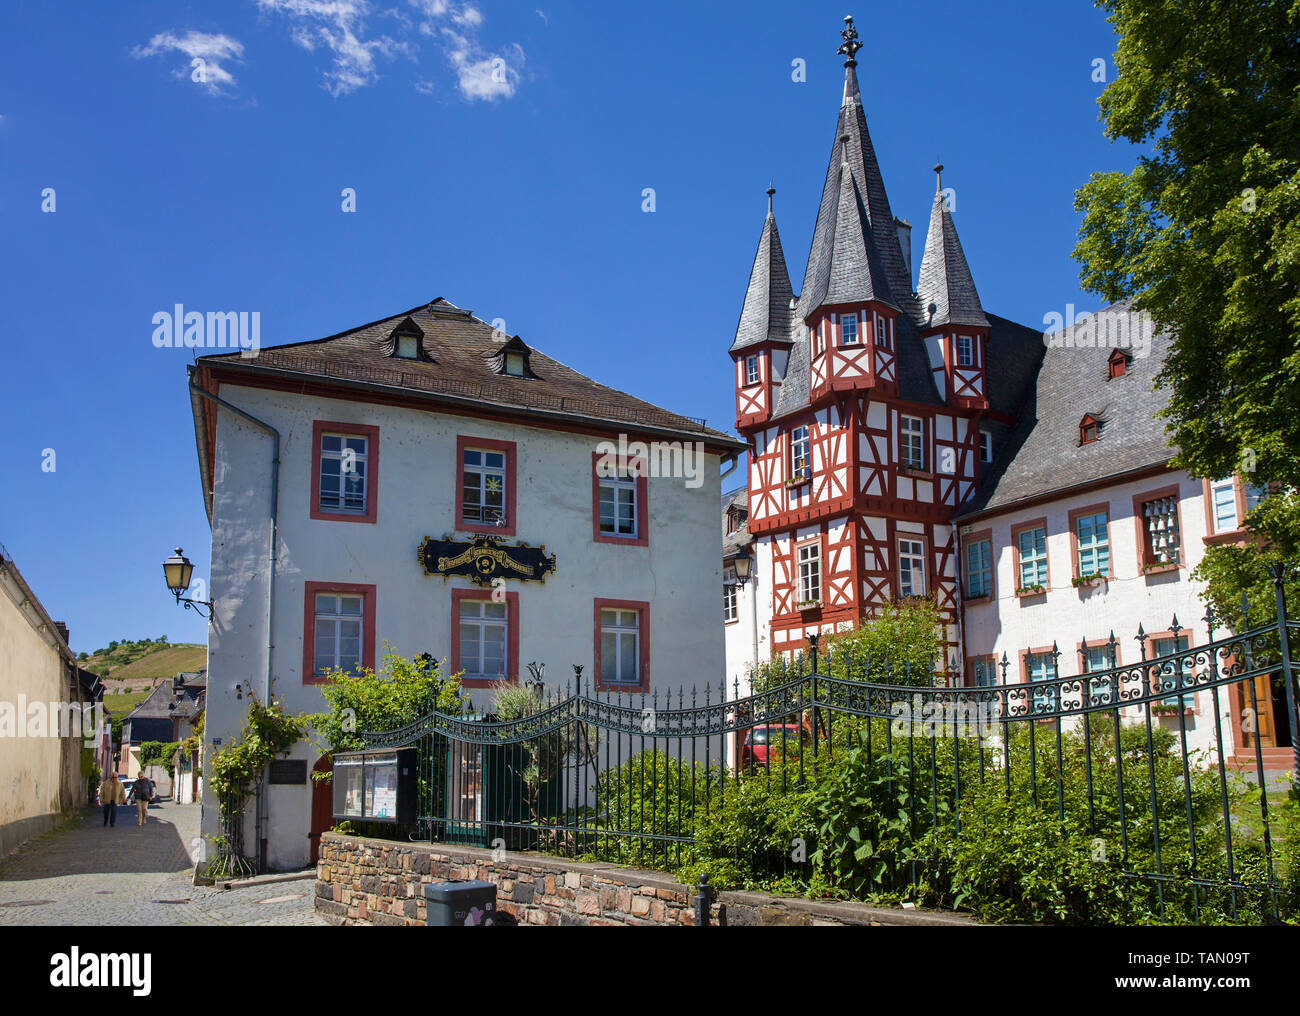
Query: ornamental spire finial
938	177
771	190
851	45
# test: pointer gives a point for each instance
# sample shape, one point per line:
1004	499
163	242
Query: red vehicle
784	737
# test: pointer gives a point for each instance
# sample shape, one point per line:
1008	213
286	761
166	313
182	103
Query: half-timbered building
906	442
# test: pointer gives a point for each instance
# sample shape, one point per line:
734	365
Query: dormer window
1089	430
406	342
512	359
1118	364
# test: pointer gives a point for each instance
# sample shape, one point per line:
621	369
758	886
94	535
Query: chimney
905	244
63	631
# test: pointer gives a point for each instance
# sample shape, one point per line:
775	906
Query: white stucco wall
1066	615
678	574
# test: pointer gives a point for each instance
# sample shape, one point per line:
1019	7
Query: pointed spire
945	282
891	281
766	314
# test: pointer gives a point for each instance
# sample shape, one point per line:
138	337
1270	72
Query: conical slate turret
945	282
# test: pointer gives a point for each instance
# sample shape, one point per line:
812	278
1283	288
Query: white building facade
424	426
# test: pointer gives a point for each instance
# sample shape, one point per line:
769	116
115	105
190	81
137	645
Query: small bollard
703	897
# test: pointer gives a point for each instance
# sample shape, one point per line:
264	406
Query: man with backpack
143	793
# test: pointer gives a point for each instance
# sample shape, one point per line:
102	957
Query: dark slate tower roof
853	165
856	257
767	314
945	283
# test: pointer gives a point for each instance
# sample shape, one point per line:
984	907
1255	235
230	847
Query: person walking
143	793
111	794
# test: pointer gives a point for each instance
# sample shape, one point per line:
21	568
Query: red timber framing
754	402
961	384
836	367
858	500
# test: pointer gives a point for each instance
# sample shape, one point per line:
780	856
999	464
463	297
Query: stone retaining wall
368	881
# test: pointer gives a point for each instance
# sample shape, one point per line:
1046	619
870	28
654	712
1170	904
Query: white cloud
207	55
338	26
481	74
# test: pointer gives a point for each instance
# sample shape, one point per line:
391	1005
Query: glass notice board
377	786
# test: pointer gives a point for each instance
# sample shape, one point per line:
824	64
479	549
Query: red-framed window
619	500
1029	558
622	645
979	564
484	637
485	485
1089	429
345	472
338	628
1157	515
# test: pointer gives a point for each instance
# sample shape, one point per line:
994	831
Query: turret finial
851	45
938	177
771	190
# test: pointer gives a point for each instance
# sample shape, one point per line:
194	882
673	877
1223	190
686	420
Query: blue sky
498	152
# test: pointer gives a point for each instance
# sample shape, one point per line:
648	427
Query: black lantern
744	565
178	573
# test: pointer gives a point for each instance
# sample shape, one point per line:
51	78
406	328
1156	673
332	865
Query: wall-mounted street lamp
178	572
744	565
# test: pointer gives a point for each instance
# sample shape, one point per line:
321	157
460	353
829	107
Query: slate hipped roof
768	312
945	283
461	366
1044	454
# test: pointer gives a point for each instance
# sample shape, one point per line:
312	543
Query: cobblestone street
84	874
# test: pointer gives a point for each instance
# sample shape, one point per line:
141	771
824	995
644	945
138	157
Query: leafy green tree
1204	235
400	692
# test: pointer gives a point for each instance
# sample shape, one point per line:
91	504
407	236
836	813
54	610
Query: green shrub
652	799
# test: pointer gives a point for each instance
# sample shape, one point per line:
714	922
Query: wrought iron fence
1158	759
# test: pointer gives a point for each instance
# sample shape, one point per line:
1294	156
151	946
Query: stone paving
84	874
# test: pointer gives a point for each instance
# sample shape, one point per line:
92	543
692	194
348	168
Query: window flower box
799	481
1027	591
808	605
1159	567
1090	581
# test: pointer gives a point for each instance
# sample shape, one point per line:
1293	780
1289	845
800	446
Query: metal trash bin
456	903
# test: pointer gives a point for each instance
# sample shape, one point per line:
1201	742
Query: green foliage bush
159	753
398	693
651	796
880	822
